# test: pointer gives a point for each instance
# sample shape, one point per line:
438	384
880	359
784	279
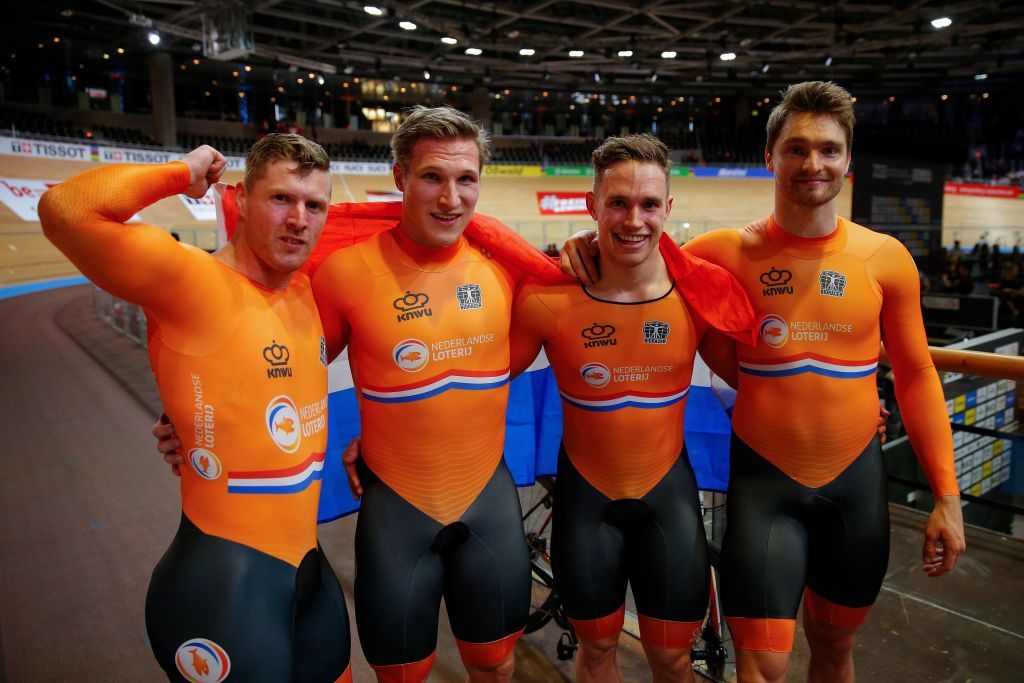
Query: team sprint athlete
622	350
238	352
807	505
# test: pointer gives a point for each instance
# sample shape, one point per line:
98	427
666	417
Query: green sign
570	171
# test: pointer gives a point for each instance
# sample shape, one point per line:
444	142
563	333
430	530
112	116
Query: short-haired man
622	350
244	588
807	509
425	314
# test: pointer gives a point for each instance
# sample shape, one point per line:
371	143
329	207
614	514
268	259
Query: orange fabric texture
808	401
775	635
429	351
601	627
668	635
405	673
829	612
238	366
623	372
346	677
485	655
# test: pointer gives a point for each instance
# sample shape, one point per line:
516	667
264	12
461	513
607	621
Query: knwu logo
412	306
776	282
277	356
598	335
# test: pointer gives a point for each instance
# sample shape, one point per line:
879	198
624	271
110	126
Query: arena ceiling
647	47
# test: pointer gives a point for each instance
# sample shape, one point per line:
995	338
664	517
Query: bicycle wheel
536	503
712	655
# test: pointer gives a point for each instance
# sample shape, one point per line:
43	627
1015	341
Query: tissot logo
598	335
776	282
412	305
277	356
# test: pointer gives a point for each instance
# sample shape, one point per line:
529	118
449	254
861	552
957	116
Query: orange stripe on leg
775	635
414	672
829	612
485	655
669	635
602	627
345	677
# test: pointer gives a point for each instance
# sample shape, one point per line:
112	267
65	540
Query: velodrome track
88	508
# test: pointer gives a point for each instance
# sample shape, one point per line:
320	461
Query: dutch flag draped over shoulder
533	422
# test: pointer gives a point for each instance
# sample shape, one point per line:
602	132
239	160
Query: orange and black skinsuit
807	501
244	588
625	502
428	338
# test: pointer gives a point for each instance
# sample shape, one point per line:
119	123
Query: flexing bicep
918	389
85	216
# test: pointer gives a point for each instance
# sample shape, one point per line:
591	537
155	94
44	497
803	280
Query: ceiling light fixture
407	25
727	56
375	11
448	40
575	53
475	51
625	53
668	54
527	51
942	22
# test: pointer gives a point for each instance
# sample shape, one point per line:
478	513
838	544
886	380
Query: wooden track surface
701	204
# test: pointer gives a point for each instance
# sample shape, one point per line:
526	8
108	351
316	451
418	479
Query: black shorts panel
275	622
406	561
656	543
782	536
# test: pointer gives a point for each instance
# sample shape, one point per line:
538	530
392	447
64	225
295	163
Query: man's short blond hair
644	148
284	147
437	123
813	97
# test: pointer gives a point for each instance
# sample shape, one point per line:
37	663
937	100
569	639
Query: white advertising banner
122	155
45	150
204	209
359	168
22	196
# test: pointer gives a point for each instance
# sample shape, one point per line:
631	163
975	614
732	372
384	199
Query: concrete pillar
481	102
161	84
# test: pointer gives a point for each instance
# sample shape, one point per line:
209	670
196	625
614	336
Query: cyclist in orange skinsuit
237	348
625	500
826	291
427	330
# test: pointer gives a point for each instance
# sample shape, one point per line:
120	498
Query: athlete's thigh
849	545
321	634
764	552
398	580
587	553
668	554
216	605
487	577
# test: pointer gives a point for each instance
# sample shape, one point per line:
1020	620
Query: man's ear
768	161
396	171
592	204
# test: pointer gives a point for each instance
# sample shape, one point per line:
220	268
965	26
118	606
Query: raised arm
578	258
85	216
919	393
